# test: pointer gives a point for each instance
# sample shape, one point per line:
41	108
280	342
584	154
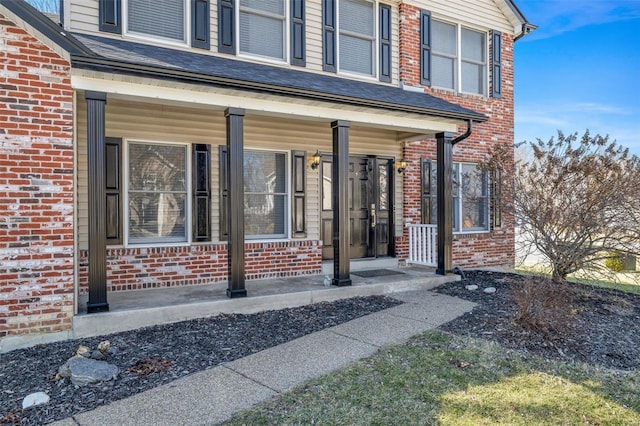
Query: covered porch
340	118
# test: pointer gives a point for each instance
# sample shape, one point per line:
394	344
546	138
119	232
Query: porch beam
235	204
445	202
340	197
96	102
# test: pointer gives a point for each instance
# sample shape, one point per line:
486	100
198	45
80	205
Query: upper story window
157	18
262	28
357	36
458	58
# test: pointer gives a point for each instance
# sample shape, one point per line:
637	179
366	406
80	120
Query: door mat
372	273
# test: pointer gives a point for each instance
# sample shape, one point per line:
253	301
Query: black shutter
496	198
201	192
224	192
200	24
110	16
329	35
299	177
385	43
298	48
425	48
113	186
425	190
226	26
496	61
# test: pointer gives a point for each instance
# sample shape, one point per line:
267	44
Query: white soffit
181	94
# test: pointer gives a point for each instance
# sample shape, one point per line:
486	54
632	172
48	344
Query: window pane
265	172
473	45
270	6
356	55
443	37
473	80
383	186
474	190
155	217
145	16
157	167
265	199
357	16
261	35
265	215
442	72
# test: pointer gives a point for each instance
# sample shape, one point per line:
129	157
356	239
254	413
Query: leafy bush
614	262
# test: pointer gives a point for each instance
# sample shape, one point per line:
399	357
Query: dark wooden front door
370	207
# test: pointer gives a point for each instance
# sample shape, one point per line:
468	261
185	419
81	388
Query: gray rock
84	371
34	399
83	350
490	290
471	287
97	355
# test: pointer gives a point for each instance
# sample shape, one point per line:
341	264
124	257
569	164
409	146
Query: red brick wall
36	186
494	248
140	268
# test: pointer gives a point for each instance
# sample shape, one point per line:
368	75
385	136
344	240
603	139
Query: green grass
441	379
627	287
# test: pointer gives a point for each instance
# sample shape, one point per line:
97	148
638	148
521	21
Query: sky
579	70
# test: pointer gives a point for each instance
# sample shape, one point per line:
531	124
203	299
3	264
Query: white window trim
125	204
286	34
375	48
457	84
288	184
155	39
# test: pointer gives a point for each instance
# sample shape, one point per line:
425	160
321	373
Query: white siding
476	13
154	122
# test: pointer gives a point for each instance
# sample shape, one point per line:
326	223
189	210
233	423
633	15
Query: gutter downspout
465	134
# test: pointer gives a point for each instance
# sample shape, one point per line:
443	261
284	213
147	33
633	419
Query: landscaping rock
97	355
34	399
104	346
83	350
471	287
490	290
84	371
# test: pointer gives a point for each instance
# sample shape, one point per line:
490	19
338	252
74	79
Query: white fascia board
259	103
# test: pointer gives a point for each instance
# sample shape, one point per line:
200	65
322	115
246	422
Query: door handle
373	215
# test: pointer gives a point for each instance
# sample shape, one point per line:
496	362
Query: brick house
135	155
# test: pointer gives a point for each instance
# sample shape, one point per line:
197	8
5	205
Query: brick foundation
141	268
36	186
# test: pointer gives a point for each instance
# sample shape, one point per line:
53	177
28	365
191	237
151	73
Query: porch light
401	165
315	160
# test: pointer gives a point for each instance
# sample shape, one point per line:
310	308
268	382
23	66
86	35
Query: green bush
614	262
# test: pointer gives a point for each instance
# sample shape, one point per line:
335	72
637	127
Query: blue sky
579	70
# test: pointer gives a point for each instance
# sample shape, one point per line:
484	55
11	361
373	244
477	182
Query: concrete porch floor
134	309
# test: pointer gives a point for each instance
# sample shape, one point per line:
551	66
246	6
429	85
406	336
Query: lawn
438	378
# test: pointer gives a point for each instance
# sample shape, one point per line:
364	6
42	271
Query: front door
370	207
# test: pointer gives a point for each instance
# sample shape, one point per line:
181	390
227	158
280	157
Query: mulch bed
605	329
153	356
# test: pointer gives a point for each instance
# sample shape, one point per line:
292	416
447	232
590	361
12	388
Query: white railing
422	244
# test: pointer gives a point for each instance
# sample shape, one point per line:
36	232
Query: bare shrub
544	307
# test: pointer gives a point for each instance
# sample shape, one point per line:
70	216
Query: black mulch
159	355
606	331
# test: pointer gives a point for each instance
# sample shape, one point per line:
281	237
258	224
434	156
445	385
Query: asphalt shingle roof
127	55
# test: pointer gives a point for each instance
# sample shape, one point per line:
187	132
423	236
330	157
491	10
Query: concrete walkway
215	395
